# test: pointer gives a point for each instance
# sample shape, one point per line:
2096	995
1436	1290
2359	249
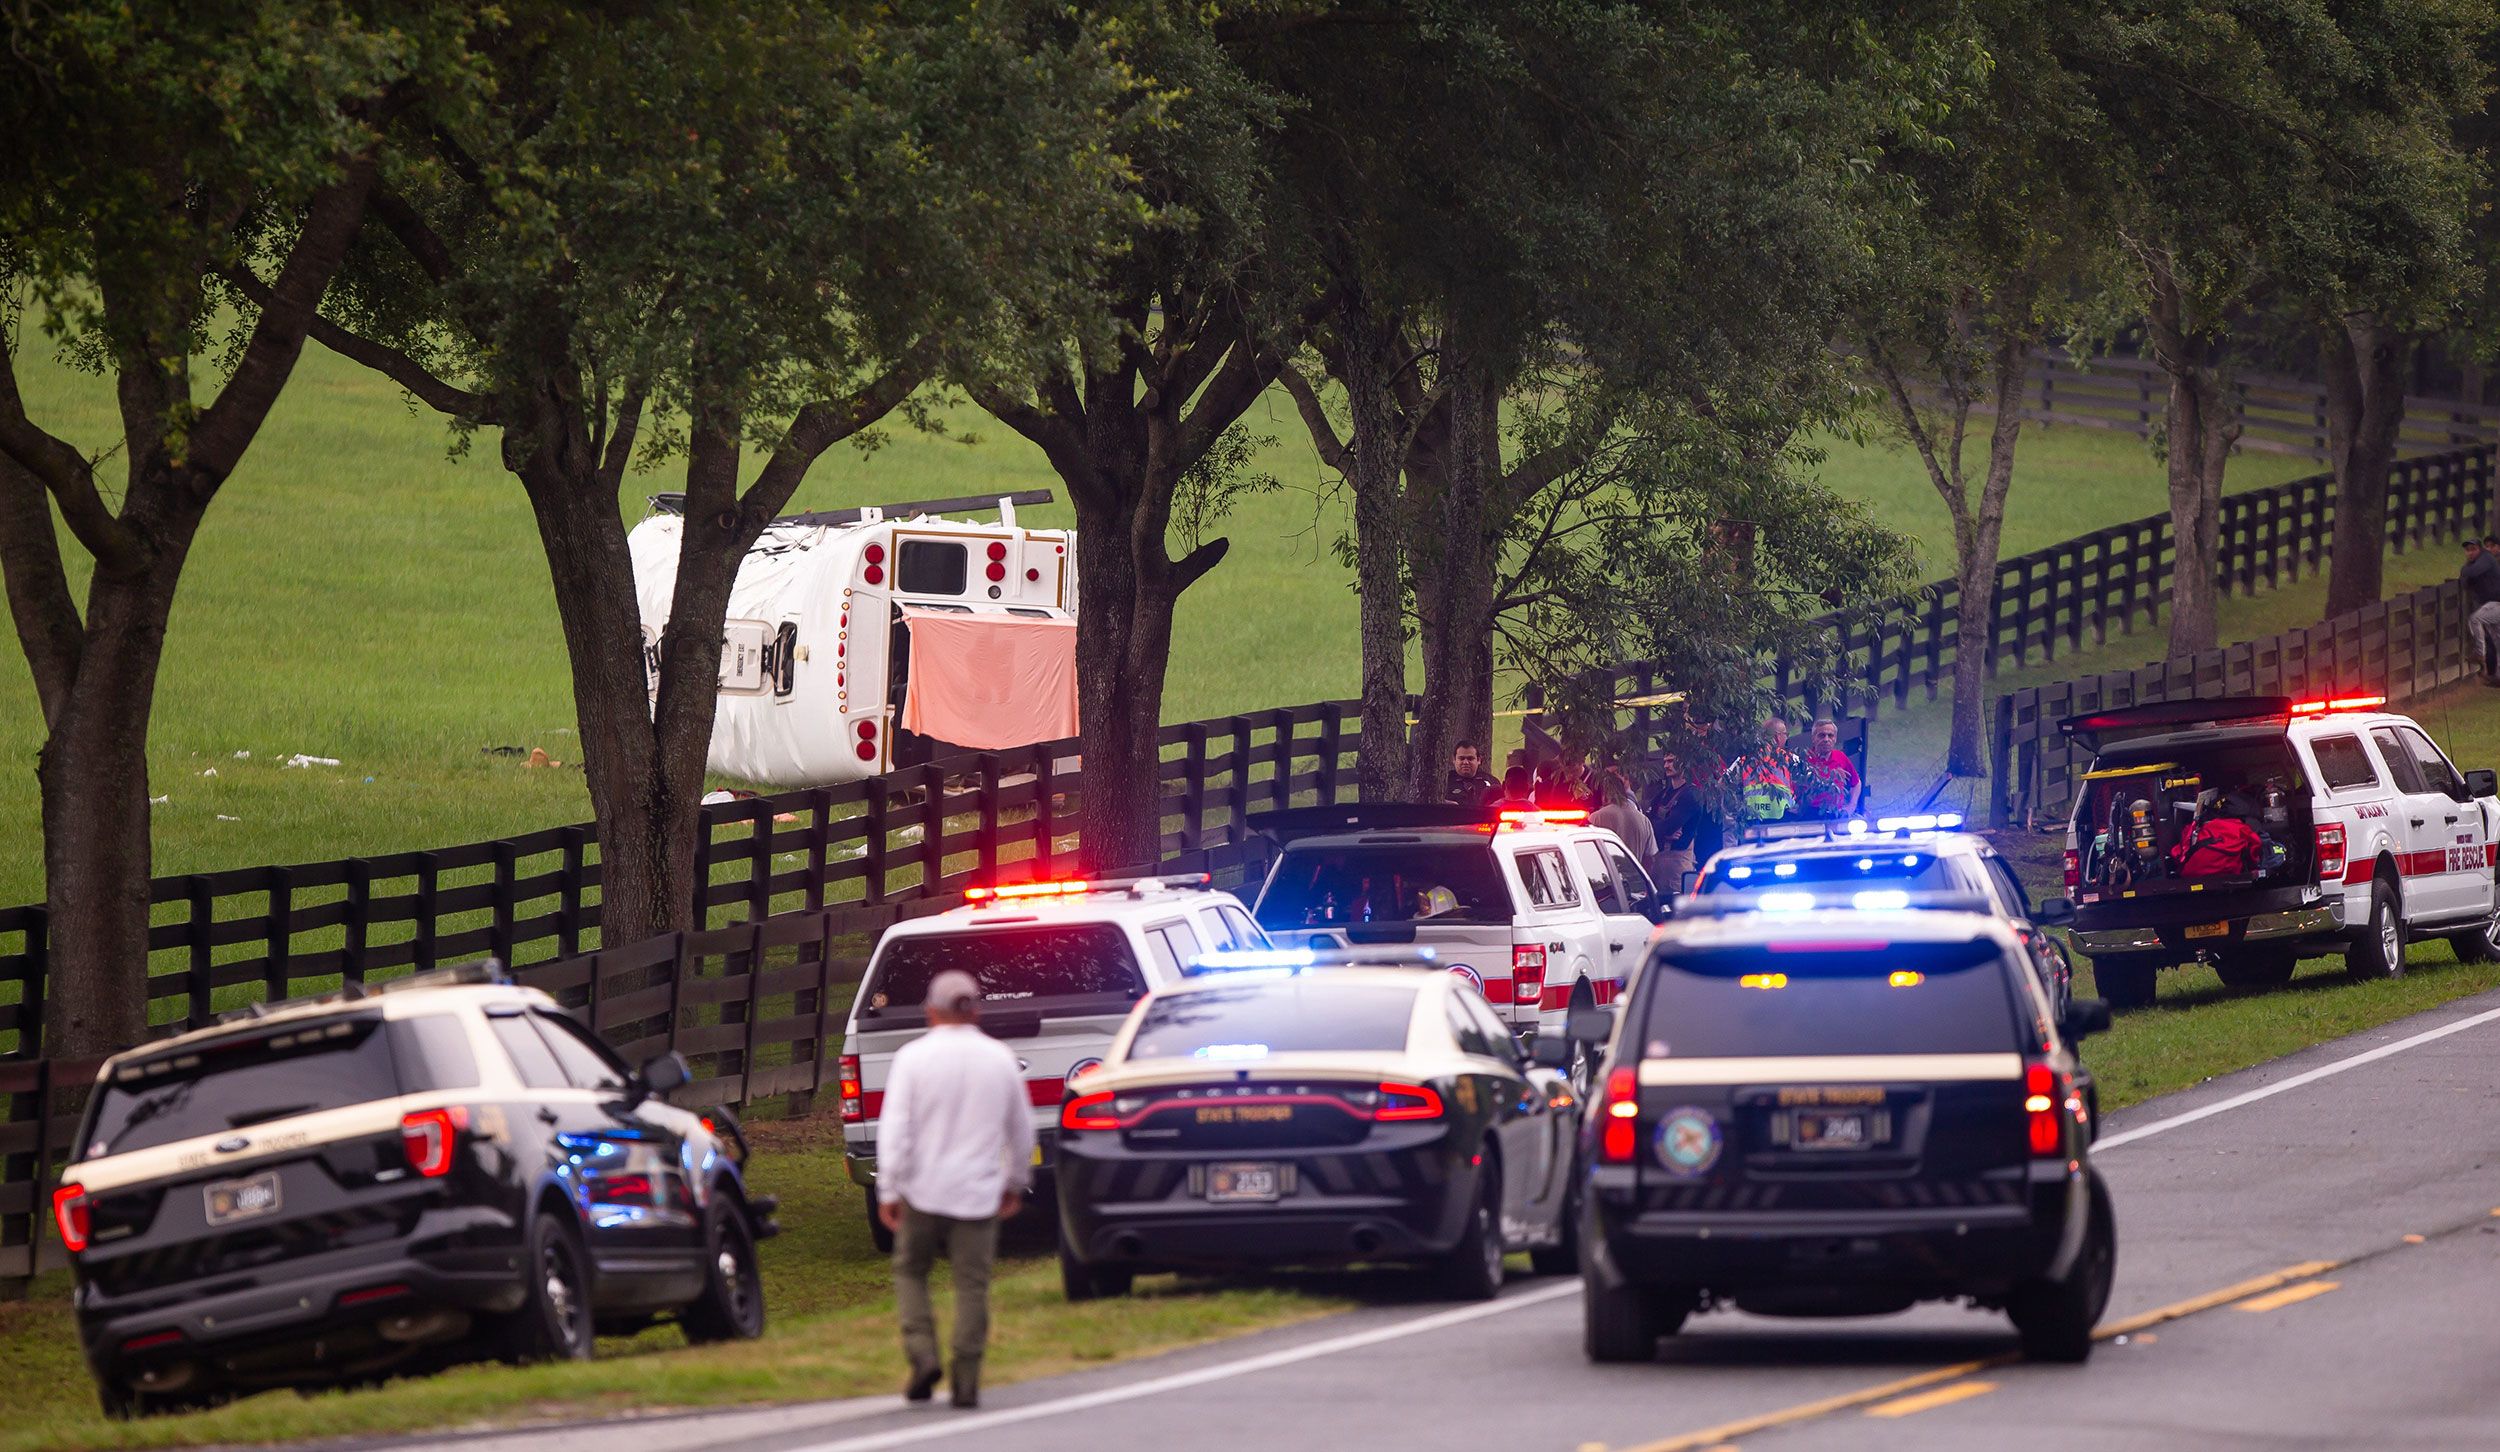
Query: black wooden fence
2405	647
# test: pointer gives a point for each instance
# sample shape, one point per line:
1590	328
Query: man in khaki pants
954	1154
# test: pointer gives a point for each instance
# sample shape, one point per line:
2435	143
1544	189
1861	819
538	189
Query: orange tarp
990	682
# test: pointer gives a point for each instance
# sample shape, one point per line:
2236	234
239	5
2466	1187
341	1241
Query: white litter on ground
222	817
243	756
212	771
300	759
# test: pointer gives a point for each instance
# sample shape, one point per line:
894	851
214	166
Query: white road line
941	1425
2323	1071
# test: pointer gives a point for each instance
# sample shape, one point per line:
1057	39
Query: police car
1292	1107
1895	861
2255	831
1842	1113
1540	911
1060	964
379	1182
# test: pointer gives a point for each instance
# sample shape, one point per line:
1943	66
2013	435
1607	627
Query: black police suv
353	1187
1289	1109
1842	1113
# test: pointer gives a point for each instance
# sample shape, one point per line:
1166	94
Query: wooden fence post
570	889
872	855
358	928
203	973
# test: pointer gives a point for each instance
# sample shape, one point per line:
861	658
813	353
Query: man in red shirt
1828	786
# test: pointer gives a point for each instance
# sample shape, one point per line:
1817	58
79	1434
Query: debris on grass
212	771
539	757
222	817
243	756
299	759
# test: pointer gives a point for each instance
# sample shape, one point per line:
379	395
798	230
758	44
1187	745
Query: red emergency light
1522	817
1007	891
2337	703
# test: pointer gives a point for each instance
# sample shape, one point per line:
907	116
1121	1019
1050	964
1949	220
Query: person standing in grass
954	1155
2481	577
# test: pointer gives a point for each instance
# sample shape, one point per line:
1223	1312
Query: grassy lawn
831	1334
358	594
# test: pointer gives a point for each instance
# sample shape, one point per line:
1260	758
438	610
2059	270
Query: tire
878	1235
2378	949
2261	966
1082	1282
2054	1319
120	1402
2482	945
1625	1323
731	1307
1562	1258
2126	980
554	1322
1473	1270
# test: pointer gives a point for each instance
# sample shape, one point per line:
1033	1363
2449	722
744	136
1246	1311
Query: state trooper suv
369	1183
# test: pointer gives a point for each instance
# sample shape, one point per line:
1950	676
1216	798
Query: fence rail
2406	647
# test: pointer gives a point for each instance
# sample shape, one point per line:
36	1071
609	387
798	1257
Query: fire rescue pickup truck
2253	832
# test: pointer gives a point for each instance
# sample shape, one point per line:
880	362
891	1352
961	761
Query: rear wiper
147	1109
258	1116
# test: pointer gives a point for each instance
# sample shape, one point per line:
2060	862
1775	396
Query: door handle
2417	821
546	1115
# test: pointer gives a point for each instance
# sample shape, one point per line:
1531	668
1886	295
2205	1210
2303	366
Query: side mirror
2482	783
1588	1026
666	1074
1550	1051
2054	912
2085	1017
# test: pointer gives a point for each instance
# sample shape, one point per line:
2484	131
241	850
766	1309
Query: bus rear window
1073	960
1823	998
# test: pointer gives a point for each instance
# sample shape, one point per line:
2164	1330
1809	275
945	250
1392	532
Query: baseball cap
953	990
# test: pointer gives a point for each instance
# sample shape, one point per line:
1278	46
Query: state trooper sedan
1291	1107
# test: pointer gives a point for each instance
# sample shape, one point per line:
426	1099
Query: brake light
2074	871
1400	1102
430	1138
1006	891
150	1342
69	1212
2043	1087
2330	851
1088	1111
1527	973
854	1107
1616	1113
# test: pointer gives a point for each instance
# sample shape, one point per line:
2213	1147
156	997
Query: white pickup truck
1544	912
2253	832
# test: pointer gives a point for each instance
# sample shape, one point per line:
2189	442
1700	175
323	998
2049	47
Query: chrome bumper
2326	917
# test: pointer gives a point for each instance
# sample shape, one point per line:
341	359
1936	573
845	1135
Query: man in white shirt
954	1154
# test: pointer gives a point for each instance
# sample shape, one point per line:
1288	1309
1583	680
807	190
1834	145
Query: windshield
1246	1022
1395	881
1780	1000
234	1083
1839	876
1067	960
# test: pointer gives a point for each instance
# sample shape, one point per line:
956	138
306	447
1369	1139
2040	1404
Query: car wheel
2257	967
120	1401
2126	980
1562	1258
1082	1282
554	1322
1624	1323
1472	1271
2481	945
731	1307
878	1235
2054	1319
2378	951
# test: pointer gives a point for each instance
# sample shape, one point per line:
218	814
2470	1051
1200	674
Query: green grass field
357	594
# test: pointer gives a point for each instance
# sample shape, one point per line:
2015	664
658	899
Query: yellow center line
1887	1391
2288	1296
1943	1396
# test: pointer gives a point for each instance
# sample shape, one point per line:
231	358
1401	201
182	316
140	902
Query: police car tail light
2074	871
1399	1102
2330	851
854	1107
69	1214
1527	973
1088	1111
1616	1111
430	1138
2043	1087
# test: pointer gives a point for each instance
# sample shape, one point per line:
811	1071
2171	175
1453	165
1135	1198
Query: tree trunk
1978	539
1374	472
1123	649
2201	433
1456	576
93	778
2364	364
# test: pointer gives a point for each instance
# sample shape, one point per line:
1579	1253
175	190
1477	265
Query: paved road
2307	1257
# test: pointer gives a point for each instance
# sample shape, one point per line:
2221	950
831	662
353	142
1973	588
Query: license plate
1237	1183
244	1199
2209	930
1823	1129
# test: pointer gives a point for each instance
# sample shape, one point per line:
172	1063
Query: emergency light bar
2338	703
1923	822
1078	886
1517	818
1294	960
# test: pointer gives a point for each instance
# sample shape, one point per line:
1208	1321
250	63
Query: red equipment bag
2219	847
